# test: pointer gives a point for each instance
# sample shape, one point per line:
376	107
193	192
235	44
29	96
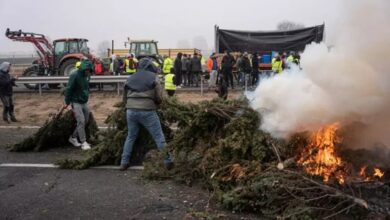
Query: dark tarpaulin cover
266	41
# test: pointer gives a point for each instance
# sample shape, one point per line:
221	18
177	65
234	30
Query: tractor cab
145	48
67	52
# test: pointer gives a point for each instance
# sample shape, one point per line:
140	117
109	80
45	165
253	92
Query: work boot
169	165
124	167
13	119
5	115
11	113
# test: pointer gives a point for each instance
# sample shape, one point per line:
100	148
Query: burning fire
320	158
378	173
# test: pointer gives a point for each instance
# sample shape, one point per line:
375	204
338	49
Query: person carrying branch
76	95
6	92
143	95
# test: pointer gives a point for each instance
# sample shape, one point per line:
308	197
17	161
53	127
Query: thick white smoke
349	82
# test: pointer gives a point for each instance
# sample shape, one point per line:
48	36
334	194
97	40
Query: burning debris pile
218	144
55	133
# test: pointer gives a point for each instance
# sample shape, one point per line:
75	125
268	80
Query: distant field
17	70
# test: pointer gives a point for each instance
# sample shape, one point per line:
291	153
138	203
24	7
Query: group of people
222	72
143	91
187	69
126	66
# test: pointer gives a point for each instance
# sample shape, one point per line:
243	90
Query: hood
5	66
147	64
85	65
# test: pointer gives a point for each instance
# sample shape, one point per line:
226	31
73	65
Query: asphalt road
50	193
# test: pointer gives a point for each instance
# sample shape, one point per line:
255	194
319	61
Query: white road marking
37	165
49	165
34	127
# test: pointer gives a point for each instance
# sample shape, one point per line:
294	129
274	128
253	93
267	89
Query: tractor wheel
67	67
31	72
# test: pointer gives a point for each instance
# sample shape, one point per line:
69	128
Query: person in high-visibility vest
170	87
77	65
277	65
130	65
168	64
290	58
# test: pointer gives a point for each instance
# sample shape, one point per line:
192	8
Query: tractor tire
67	67
31	72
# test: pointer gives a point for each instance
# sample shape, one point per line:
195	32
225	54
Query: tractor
145	48
57	58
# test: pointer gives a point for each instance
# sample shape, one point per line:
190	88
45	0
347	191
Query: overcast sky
168	21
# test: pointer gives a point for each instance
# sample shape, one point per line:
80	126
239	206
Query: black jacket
177	66
227	62
6	81
196	66
255	64
245	65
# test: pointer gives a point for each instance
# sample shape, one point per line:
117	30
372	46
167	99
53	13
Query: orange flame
319	157
362	171
378	173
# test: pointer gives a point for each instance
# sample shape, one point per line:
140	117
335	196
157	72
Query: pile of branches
109	149
219	144
55	133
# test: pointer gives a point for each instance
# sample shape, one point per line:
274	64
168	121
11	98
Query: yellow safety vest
111	67
290	59
169	82
273	60
130	69
277	66
168	64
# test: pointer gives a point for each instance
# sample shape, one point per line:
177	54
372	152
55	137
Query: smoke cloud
348	83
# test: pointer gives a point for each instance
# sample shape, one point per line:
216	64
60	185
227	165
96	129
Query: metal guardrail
41	80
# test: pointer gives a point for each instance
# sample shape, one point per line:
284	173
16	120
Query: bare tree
102	48
288	26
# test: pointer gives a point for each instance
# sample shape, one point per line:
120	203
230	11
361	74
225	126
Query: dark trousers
255	78
178	78
170	92
222	89
229	77
185	77
8	106
194	78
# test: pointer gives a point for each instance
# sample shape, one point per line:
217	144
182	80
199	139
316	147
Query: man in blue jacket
76	95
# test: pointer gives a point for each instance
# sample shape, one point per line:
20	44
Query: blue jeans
151	121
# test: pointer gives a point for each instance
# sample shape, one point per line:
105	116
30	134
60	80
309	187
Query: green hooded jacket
77	90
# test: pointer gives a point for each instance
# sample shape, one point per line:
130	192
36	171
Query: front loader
55	59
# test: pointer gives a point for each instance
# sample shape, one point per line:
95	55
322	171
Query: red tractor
57	58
